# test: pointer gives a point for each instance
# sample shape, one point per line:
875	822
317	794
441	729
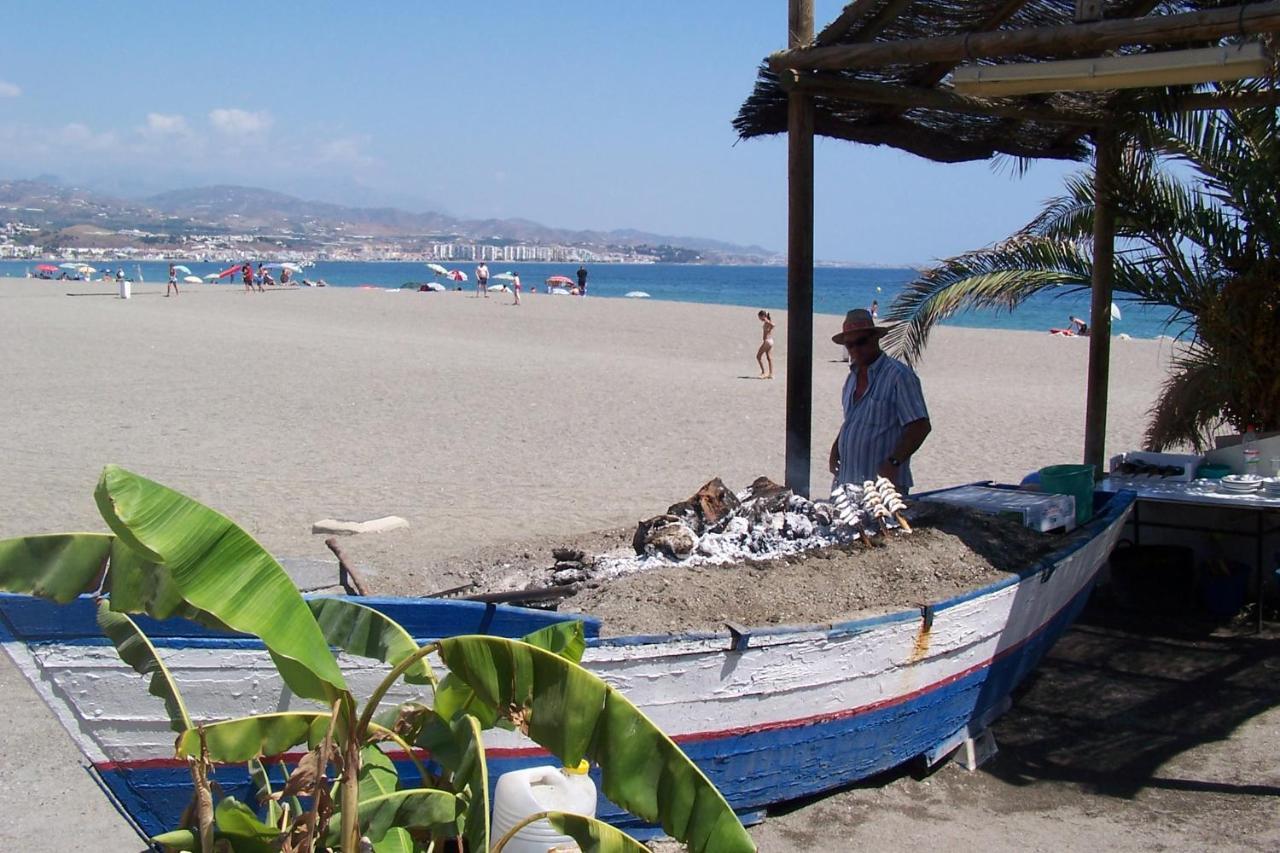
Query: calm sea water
835	289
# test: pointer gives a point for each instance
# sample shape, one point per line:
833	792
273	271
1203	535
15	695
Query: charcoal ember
713	504
673	539
565	577
822	514
768	494
568	566
738	527
800	504
568	555
642	530
797	526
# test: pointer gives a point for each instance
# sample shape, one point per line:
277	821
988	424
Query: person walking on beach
766	346
246	273
173	281
875	310
582	280
885	418
515	286
482	279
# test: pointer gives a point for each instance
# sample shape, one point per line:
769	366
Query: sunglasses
857	342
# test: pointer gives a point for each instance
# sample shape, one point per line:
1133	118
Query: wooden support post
799	264
1104	237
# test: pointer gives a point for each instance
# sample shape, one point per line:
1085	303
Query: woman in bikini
766	347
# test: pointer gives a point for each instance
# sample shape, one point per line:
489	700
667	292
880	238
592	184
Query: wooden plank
1104	236
1038	41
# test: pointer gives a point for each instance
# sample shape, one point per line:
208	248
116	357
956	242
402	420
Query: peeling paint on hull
787	713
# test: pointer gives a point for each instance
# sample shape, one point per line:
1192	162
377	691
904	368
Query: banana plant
167	555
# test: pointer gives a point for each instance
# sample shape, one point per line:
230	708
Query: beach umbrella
435	286
46	268
560	279
180	268
291	267
505	276
86	269
1115	312
191	279
457	275
229	271
437	269
213	276
67	266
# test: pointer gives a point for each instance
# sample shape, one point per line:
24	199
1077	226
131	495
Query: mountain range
54	207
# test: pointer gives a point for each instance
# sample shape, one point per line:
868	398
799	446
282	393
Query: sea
835	289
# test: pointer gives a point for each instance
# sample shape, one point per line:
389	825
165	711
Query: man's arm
833	461
913	435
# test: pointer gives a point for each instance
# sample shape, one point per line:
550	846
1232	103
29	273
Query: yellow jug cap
582	768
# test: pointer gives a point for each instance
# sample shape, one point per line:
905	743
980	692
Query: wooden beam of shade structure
1106	156
1039	41
909	97
800	118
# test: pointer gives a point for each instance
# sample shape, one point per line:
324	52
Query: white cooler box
1036	510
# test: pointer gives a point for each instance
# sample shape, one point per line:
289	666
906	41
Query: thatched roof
907	103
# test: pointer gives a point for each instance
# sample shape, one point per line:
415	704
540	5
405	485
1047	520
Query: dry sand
483	424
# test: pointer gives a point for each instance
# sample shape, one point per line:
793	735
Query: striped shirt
873	425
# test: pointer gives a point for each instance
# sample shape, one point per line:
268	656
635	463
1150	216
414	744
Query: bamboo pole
1104	235
1038	41
799	264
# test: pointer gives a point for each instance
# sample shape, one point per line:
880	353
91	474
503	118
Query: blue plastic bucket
1074	480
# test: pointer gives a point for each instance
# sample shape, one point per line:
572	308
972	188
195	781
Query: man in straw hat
885	419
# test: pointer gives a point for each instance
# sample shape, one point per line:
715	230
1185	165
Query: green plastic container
1074	480
1213	472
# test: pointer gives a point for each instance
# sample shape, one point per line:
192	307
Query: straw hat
856	322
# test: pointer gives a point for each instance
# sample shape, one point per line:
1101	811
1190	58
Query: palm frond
1191	403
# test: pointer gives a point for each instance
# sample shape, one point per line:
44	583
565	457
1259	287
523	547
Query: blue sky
575	114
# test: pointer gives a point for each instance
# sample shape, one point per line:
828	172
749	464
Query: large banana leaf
472	781
219	568
377	773
396	840
249	737
594	836
57	566
138	585
136	650
237	829
365	632
574	714
417	808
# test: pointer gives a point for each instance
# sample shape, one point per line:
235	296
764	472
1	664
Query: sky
583	115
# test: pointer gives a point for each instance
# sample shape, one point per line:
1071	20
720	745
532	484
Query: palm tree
1197	199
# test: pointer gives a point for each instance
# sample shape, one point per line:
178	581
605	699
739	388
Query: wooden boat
770	714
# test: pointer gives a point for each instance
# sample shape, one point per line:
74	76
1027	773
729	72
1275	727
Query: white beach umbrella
213	276
1115	312
180	268
505	276
70	266
437	269
191	279
291	267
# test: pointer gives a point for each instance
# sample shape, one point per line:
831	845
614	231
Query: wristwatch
895	462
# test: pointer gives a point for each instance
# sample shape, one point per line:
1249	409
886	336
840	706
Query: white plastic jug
126	290
522	793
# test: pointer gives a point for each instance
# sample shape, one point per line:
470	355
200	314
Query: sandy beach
483	424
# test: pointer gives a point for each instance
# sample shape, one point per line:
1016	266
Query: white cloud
9	90
159	124
79	136
235	121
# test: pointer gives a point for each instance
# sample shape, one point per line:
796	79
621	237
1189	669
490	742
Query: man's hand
833	461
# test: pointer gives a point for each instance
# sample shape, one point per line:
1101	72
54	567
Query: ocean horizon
835	289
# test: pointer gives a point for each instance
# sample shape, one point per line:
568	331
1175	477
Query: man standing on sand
173	281
582	280
515	286
482	279
885	419
246	273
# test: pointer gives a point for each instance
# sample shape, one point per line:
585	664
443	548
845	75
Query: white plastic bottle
522	793
1249	448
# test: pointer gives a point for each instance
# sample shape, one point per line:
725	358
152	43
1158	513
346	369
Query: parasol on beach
68	266
191	279
560	280
457	275
437	269
1115	312
505	276
291	267
46	268
180	268
230	271
213	276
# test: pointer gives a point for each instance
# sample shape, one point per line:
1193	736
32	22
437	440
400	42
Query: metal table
1202	493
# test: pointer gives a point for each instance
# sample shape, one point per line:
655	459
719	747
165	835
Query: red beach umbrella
231	271
559	279
46	268
457	275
